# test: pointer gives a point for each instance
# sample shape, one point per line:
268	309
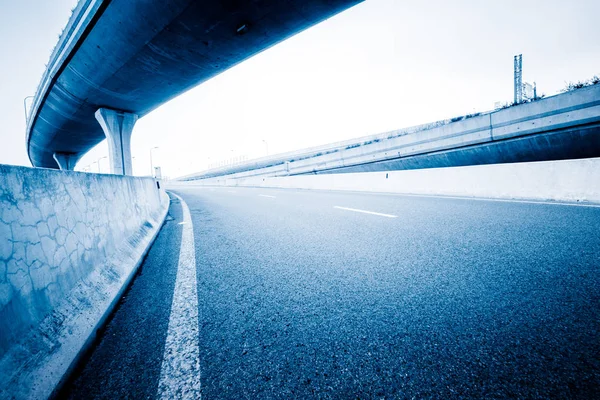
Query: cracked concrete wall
55	227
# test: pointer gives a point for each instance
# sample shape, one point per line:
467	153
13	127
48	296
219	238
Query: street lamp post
99	165
151	163
25	107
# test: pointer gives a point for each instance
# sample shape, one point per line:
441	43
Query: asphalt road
301	294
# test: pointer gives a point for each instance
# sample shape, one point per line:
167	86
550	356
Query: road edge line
90	341
180	366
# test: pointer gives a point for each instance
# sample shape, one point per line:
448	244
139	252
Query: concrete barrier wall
565	126
310	152
69	243
568	180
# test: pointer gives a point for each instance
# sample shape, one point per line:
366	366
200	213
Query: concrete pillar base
66	161
117	126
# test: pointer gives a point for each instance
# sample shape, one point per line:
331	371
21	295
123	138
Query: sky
380	66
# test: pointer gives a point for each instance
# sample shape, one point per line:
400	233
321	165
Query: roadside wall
568	180
69	243
561	127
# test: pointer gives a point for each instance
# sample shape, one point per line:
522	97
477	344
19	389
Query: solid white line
266	195
551	203
180	371
441	196
366	212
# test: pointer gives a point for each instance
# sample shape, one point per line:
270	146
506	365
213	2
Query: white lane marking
366	212
551	203
434	196
266	195
180	371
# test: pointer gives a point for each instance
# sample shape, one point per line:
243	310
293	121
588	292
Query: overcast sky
382	65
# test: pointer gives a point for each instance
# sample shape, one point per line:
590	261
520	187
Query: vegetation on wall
581	84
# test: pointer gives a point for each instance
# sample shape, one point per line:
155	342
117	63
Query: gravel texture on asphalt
455	298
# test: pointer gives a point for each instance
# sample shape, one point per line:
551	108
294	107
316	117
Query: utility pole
519	79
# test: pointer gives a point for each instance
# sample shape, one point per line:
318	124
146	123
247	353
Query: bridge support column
117	126
66	161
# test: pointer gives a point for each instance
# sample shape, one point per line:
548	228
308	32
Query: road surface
309	294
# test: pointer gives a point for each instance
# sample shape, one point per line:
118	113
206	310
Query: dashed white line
366	212
180	370
266	195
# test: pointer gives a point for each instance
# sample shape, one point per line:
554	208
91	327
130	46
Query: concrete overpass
561	127
117	60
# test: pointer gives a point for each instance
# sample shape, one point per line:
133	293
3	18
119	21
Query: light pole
25	107
99	165
266	146
151	164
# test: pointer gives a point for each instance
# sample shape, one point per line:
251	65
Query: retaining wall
69	244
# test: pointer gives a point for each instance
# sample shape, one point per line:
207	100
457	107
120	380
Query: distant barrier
561	127
69	244
567	180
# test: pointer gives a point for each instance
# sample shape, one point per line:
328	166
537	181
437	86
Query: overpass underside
128	57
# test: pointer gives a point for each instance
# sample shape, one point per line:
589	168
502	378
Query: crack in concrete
54	229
